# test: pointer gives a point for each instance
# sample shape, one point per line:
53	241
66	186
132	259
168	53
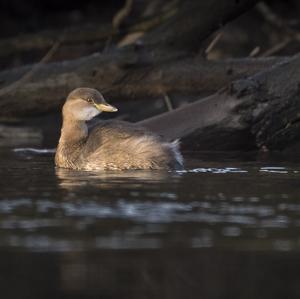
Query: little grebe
108	145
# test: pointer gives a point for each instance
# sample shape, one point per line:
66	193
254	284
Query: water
228	226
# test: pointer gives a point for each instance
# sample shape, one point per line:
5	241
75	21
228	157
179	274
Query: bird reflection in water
74	179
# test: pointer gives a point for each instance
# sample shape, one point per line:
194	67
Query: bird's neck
72	139
73	131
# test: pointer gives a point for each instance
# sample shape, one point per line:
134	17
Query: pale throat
86	113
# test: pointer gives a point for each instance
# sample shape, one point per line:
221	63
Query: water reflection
72	179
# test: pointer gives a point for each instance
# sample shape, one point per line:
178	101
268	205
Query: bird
108	144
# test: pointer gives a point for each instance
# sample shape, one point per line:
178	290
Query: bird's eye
90	100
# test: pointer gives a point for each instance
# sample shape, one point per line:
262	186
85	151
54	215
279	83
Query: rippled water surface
228	226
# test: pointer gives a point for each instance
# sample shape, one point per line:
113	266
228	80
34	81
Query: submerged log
262	110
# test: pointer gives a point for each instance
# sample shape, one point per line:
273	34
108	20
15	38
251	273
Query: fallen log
262	110
114	75
177	37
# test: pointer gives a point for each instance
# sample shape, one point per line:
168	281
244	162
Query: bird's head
85	103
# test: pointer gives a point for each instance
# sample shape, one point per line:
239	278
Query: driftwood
114	75
262	110
45	90
254	105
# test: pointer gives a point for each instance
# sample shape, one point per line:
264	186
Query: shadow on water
227	226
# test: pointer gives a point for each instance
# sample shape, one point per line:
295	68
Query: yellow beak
106	107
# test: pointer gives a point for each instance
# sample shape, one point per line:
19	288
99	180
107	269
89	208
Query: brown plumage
108	145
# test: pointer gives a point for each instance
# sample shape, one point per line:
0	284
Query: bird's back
122	145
